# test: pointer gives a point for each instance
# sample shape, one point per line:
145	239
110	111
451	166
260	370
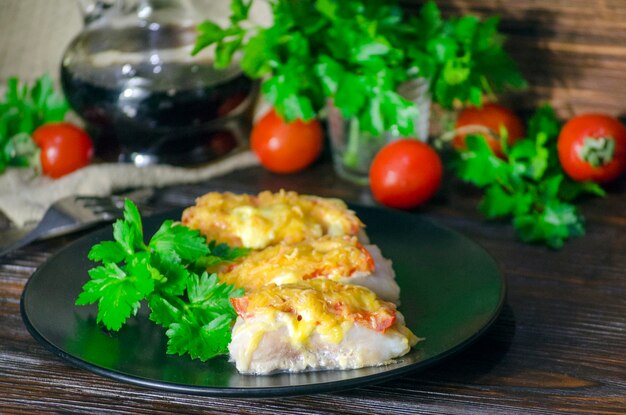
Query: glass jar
145	99
354	150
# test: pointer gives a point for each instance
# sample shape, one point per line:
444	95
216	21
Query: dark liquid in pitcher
176	113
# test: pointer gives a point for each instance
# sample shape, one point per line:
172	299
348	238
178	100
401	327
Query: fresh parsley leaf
200	341
165	310
203	330
178	243
107	251
194	308
117	293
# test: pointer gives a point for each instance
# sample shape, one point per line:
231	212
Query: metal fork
75	213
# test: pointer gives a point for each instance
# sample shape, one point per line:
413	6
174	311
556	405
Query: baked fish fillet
317	324
269	218
338	258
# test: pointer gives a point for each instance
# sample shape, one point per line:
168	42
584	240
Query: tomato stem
597	151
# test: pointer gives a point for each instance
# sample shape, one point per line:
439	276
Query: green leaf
239	10
173	276
20	150
224	52
544	121
330	73
124	236
498	203
457	71
256	60
465	29
367	51
164	311
372	120
200	341
208	34
443	49
133	219
571	190
554	224
107	251
487	36
479	165
177	243
204	329
430	18
117	293
351	95
226	252
328	8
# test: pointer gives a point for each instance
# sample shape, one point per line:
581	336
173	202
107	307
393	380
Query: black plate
451	293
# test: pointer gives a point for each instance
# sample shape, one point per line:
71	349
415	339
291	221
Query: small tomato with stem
593	147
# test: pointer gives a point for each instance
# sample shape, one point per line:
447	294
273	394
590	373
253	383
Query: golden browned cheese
321	305
332	257
269	218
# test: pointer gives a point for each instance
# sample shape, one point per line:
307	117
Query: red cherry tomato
286	147
492	117
405	174
593	147
64	148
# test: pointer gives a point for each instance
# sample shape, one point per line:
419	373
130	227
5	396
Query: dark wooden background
572	52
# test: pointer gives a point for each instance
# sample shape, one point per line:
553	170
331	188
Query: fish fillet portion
338	258
258	221
317	324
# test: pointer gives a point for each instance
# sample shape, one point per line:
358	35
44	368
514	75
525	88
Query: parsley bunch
463	57
528	184
23	109
169	274
355	53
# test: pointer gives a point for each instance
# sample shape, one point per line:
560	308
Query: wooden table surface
559	345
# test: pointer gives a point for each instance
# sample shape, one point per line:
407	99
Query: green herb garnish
24	109
463	57
356	53
169	274
528	184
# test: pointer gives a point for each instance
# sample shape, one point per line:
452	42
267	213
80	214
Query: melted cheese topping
269	218
323	306
329	257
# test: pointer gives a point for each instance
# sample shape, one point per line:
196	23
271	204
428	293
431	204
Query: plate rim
270	391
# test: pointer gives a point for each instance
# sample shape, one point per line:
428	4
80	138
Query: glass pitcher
130	75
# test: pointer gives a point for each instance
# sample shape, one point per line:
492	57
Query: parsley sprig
356	53
528	184
23	109
169	273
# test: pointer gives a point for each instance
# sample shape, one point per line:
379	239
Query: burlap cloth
25	196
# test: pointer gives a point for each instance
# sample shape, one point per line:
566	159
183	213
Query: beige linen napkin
24	196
